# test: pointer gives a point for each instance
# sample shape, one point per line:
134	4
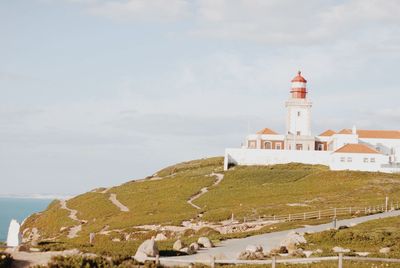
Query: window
278	146
372	160
342	159
320	147
298	113
349	159
299	147
365	160
298	133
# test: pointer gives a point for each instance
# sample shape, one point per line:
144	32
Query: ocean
19	209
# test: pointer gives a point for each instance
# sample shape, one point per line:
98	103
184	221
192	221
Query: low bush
78	261
5	260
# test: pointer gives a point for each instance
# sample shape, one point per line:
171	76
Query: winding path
231	248
73	231
204	190
114	200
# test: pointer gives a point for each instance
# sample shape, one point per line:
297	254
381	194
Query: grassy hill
244	191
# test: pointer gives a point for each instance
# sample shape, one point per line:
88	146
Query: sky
99	92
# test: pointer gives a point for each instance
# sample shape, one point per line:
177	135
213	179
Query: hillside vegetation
244	192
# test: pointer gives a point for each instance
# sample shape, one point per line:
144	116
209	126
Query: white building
348	149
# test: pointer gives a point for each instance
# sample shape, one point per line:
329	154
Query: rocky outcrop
178	245
147	249
252	252
14	235
160	237
385	250
205	242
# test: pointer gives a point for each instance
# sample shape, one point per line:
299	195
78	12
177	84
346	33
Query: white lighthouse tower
298	121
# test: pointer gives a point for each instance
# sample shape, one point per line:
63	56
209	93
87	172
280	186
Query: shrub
207	231
5	260
78	261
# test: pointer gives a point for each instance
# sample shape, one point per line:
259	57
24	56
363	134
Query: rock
319	251
280	250
116	240
362	254
385	250
62	229
178	245
343	227
253	248
34	249
293	238
187	250
194	246
147	249
34	243
298	253
308	253
340	250
291	247
160	237
14	236
249	255
205	242
23	248
245	255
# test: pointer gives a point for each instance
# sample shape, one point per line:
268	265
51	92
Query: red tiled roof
345	131
267	131
327	133
356	149
379	134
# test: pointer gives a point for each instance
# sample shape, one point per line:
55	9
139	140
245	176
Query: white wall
339	140
294	122
354	161
272	157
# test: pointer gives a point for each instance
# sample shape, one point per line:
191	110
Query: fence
329	213
273	261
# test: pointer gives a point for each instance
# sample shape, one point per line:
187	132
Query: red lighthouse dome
299	89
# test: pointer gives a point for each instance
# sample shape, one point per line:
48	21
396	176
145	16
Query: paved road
230	249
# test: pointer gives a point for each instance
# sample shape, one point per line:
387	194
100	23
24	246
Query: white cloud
148	10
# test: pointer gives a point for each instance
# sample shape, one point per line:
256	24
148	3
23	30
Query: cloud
288	23
127	10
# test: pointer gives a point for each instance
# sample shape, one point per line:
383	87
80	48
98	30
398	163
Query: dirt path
219	178
28	259
114	200
73	232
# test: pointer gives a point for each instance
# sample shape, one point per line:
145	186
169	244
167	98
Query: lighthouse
298	120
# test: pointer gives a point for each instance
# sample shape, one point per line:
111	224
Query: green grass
254	191
244	191
50	221
366	237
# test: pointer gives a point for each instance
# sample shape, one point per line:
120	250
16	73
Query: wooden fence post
335	212
157	260
319	214
304	216
289	217
273	264
340	262
212	262
386	203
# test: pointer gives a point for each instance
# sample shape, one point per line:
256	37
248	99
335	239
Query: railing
273	261
329	213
